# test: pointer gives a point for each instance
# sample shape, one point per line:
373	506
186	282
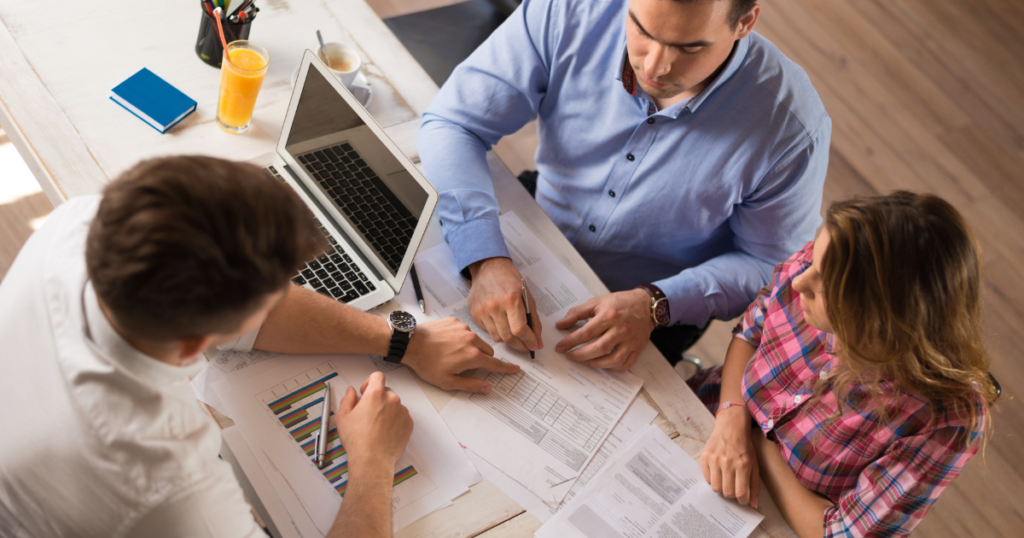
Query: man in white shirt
102	318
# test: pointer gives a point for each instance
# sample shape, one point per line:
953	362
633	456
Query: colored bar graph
334	474
340	488
310	446
334	454
304	432
285	403
404	475
299	414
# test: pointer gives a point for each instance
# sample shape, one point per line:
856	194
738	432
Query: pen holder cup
208	46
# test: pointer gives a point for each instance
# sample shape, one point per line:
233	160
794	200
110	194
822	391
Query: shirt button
650	120
611	193
797	399
630	157
771	423
593	228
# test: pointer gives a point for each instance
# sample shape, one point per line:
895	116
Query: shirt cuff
685	300
242	343
477	240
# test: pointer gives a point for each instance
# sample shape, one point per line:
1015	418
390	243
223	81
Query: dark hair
737	11
902	287
190	246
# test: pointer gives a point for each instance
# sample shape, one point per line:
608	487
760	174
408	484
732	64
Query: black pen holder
208	46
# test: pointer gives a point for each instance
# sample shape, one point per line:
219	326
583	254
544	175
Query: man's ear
190	347
746	23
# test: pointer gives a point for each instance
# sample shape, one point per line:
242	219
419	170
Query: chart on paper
297	403
541	415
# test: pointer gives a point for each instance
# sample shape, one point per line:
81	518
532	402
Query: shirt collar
625	74
117	350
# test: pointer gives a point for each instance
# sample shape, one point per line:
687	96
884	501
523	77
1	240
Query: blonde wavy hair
902	289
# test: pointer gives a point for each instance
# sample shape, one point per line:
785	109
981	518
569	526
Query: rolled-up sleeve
491	94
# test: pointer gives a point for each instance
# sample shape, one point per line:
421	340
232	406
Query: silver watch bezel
393	324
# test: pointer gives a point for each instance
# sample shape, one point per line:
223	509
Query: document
635	420
278	412
542	425
652	489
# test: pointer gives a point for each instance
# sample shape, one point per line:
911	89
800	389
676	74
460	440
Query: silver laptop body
368	197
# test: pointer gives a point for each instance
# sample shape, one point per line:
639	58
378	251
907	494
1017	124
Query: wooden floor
925	95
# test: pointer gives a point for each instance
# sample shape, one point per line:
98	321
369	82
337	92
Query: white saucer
360	87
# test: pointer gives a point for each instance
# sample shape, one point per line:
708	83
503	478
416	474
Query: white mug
342	60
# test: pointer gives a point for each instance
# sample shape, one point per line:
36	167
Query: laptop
366	196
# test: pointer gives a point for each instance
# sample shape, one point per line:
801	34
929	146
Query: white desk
58	62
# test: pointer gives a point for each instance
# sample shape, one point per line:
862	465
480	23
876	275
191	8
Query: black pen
416	288
529	318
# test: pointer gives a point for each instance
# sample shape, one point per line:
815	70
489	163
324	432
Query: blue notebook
153	100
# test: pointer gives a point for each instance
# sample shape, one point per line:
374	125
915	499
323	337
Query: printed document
653	489
635	420
542	425
278	412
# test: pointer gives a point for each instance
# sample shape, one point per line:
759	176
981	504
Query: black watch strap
399	343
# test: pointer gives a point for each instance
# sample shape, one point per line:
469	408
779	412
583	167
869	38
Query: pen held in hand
529	317
322	435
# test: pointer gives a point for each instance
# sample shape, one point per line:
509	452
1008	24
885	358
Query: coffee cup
342	60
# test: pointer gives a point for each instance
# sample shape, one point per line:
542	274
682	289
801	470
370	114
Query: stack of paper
653	489
276	402
542	426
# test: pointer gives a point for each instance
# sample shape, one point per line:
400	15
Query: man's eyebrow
693	44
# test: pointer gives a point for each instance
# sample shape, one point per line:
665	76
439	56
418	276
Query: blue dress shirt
702	198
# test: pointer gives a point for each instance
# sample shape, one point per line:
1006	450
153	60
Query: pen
416	288
529	318
321	437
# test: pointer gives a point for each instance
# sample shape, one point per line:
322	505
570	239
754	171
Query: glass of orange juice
240	82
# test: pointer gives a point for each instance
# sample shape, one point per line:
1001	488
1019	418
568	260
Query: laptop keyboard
382	219
333	272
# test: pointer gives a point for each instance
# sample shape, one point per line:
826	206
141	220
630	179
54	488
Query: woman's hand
729	459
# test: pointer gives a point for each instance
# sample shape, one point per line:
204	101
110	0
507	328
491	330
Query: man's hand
729	459
441	350
374	428
496	304
621	324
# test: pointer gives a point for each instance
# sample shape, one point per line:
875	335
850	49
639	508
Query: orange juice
240	82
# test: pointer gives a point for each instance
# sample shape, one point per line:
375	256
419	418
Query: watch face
661	312
402	321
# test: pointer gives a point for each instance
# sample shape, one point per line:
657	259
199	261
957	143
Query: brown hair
737	10
191	246
902	289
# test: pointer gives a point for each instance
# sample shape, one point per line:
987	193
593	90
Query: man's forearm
735	278
307	322
366	509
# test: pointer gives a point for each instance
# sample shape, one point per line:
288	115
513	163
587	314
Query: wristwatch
659	305
402	325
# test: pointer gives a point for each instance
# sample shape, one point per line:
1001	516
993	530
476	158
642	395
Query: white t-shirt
97	439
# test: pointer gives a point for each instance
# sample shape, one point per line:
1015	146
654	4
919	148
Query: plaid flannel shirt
882	480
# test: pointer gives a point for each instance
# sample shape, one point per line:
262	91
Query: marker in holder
208	46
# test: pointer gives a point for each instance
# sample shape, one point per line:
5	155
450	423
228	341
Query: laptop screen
369	186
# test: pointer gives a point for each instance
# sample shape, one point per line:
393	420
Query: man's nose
658	63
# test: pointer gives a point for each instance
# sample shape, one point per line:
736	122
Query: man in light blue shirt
679	151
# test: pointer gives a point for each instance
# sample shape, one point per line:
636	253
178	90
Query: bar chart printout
296	405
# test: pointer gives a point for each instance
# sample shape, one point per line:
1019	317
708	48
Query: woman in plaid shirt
862	366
